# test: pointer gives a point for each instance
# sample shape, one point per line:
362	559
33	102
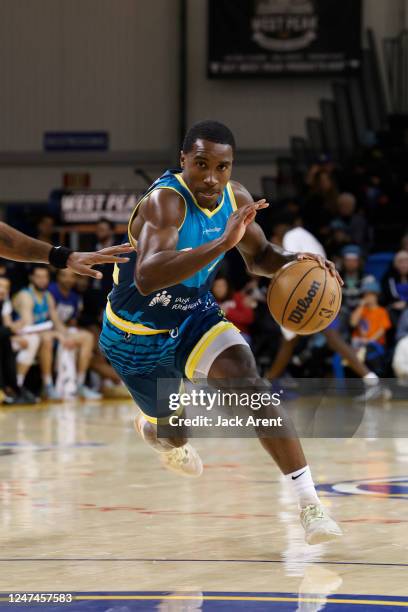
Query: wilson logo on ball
303	305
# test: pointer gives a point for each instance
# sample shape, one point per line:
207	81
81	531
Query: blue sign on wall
76	141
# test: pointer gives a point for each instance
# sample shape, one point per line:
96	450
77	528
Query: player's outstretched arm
17	246
159	265
261	256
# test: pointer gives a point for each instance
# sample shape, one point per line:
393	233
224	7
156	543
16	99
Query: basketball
303	297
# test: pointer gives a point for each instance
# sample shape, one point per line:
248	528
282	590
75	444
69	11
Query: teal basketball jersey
166	309
41	309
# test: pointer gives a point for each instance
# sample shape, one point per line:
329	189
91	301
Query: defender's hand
82	263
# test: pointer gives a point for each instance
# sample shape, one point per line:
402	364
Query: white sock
20	380
303	487
47	380
371	379
81	379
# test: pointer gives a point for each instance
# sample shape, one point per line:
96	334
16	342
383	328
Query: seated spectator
337	238
370	322
351	267
68	307
320	204
395	287
356	224
238	305
36	308
12	392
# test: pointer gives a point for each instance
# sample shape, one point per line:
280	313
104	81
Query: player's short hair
208	130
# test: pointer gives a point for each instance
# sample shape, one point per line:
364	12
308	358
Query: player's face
206	170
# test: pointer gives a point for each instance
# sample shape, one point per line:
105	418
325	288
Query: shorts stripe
128	326
203	344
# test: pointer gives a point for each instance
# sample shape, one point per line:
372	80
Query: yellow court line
369	602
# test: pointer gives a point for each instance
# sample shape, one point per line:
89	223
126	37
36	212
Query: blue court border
214	600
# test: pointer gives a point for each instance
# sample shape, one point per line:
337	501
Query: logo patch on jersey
162	298
211	230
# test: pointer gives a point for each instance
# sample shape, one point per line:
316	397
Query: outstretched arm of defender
17	246
159	265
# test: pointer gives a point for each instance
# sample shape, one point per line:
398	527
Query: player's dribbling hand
239	221
324	263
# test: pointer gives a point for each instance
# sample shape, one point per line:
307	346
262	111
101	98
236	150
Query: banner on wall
90	207
283	37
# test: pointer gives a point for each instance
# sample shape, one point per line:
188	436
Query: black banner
283	37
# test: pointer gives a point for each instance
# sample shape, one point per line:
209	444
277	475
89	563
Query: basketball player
161	319
18	247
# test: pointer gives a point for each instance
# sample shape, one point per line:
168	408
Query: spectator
351	267
370	323
32	305
46	229
395	287
13	394
337	238
105	234
355	223
105	237
68	307
238	305
320	204
35	307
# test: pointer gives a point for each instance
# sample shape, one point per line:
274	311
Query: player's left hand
324	263
82	263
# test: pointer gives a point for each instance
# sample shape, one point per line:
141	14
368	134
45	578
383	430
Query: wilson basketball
303	297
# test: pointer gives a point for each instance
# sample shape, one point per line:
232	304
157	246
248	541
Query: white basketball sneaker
318	525
184	460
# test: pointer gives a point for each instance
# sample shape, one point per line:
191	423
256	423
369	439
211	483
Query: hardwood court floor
86	506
